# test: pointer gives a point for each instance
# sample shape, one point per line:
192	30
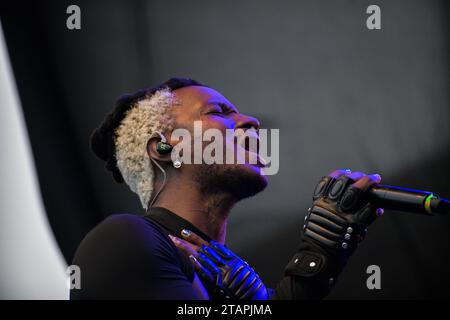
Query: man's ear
152	150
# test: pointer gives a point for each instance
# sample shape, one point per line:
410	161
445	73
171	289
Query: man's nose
247	122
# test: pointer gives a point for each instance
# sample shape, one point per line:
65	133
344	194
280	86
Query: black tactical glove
226	276
333	227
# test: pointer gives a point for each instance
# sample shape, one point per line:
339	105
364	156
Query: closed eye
220	109
216	111
226	109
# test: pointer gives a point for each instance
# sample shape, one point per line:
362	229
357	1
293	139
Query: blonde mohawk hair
140	123
121	140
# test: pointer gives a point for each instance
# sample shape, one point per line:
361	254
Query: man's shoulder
122	235
126	224
127	221
126	255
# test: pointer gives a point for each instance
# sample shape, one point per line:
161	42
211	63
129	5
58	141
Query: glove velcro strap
305	264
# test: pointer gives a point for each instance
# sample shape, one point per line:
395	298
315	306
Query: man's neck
207	212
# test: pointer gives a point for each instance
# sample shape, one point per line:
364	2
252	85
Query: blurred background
342	96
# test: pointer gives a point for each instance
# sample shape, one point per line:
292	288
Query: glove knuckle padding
333	227
323	186
339	215
339	186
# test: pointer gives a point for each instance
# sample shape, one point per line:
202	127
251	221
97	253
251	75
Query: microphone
408	200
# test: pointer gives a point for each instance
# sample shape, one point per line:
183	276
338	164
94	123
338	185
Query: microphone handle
408	200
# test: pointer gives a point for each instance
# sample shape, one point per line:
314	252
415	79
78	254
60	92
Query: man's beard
238	181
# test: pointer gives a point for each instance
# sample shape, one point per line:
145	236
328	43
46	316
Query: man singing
177	250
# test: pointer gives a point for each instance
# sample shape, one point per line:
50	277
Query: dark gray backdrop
341	95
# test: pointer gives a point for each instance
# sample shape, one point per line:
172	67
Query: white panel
31	264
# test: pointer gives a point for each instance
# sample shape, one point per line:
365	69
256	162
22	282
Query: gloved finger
231	274
221	250
239	279
261	293
203	273
208	264
185	247
337	173
368	215
209	252
193	238
246	285
367	181
253	289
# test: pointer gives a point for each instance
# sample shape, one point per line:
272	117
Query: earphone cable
163	184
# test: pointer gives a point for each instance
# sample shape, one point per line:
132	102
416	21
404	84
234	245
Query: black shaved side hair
102	138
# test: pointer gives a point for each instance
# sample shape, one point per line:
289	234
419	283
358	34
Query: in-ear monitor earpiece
162	147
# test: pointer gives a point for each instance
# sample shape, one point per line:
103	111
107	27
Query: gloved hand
223	273
341	212
333	227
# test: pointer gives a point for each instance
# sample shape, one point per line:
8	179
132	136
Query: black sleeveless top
131	257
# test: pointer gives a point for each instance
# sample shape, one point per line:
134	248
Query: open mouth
250	142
